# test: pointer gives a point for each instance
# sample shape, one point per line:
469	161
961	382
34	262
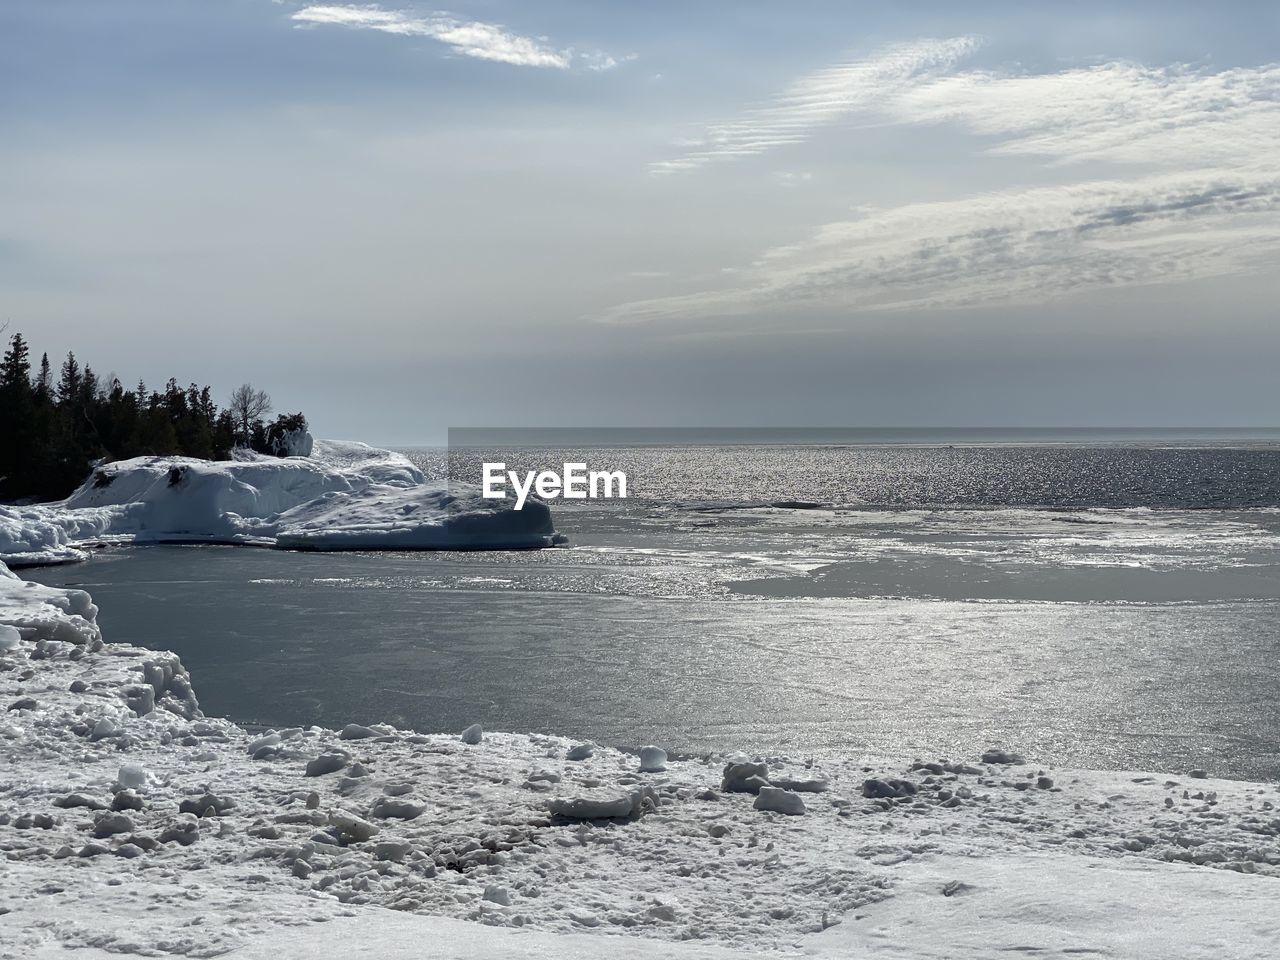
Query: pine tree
15	368
69	383
17	418
44	382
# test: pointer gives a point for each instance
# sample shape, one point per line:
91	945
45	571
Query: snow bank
30	536
133	825
345	496
41	613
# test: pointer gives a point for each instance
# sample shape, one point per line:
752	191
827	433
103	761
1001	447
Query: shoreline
442	831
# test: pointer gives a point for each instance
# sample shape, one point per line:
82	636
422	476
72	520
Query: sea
1102	599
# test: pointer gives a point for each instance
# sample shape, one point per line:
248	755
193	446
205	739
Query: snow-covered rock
996	755
352	827
343	496
394	808
603	803
779	801
744	777
800	782
330	762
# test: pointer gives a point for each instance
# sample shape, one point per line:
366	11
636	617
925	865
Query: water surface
1125	638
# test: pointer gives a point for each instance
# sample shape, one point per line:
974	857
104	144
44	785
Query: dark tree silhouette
51	433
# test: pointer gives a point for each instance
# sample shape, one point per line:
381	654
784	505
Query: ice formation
344	496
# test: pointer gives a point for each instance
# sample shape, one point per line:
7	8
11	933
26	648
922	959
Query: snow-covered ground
344	496
131	824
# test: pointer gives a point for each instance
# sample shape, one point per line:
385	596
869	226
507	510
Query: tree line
54	428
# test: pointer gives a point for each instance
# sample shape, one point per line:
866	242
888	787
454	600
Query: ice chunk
779	801
800	782
351	827
393	850
593	805
132	776
326	763
744	777
391	808
888	788
206	805
473	734
109	824
996	755
105	729
652	759
496	894
604	803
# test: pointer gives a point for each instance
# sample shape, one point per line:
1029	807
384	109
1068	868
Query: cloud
597	61
484	41
1196	194
1017	246
818	99
791	178
1120	112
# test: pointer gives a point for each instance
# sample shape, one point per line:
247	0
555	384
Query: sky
400	218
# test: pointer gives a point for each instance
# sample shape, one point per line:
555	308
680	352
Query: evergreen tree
17	414
44	382
15	368
69	382
50	434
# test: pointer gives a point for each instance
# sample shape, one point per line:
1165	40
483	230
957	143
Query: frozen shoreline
283	864
343	496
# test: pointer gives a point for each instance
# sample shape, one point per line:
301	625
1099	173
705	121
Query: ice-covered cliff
344	496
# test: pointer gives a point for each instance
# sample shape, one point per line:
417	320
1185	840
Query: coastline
269	859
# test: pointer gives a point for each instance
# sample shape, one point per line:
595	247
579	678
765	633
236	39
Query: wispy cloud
484	41
819	99
1119	112
1196	194
1012	247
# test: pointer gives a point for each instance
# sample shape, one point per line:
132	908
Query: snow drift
344	496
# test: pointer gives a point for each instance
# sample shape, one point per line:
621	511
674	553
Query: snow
31	535
180	834
344	496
